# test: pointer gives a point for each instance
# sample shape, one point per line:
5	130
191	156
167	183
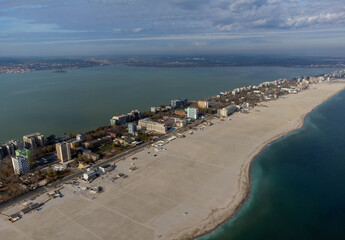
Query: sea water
297	190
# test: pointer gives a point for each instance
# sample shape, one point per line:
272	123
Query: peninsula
182	190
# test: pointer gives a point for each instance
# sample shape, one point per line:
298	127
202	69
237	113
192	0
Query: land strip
183	192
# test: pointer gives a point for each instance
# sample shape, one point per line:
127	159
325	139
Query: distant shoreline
59	71
32	65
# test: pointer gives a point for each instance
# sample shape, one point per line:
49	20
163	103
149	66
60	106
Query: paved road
41	190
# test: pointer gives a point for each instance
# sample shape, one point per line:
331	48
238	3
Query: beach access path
186	190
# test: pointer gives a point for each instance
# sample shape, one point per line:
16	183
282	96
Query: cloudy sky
110	27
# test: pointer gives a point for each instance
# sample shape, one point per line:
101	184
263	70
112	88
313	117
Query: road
117	158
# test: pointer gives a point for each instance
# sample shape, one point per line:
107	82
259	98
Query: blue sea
83	99
297	190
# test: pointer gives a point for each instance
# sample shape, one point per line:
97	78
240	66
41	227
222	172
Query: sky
120	27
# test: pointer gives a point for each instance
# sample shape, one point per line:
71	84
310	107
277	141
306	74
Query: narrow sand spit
183	192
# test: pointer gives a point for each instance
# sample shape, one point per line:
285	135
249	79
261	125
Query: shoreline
256	153
74	124
206	174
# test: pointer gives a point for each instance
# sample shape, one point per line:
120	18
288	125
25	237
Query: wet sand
183	192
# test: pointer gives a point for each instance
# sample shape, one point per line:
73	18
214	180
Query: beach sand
189	189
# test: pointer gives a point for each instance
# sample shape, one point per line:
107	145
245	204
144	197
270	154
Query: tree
89	138
51	139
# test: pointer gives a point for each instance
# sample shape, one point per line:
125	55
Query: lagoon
83	99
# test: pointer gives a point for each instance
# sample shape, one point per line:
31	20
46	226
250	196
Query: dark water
298	182
82	99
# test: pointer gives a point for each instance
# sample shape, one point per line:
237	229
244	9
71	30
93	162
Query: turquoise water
82	99
297	189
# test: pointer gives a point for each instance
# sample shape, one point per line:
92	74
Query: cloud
156	38
328	18
14	25
225	27
136	30
197	21
199	44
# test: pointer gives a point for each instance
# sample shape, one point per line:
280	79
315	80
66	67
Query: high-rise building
203	104
119	120
2	152
134	115
17	143
8	148
24	152
63	151
33	140
20	164
132	128
176	103
192	113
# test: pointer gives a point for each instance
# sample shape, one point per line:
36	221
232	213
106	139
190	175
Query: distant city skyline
119	27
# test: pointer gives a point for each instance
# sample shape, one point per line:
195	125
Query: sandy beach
190	188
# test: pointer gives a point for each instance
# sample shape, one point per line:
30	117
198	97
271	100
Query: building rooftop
33	135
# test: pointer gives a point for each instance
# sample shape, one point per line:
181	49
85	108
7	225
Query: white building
106	168
63	151
154	109
89	175
192	113
225	112
159	127
20	164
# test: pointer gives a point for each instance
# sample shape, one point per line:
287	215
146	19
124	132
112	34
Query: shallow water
297	189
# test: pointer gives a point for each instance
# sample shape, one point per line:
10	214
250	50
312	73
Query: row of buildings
19	151
163	126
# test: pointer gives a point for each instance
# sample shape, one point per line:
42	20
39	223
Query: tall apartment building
132	128
134	115
179	102
2	152
192	113
20	164
9	148
63	151
119	120
203	104
24	152
33	140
